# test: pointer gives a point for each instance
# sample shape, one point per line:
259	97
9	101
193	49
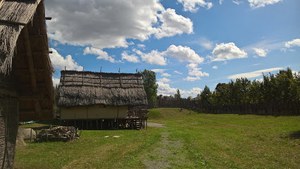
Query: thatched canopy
24	56
82	88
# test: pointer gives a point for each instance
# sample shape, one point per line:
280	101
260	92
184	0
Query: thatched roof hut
82	88
24	56
91	98
25	70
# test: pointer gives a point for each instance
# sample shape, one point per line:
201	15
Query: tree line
276	94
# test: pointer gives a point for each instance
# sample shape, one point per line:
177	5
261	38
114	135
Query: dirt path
151	124
165	155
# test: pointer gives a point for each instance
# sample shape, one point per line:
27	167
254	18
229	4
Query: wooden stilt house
26	90
91	100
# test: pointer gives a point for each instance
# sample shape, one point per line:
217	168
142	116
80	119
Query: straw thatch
26	90
89	88
14	15
24	56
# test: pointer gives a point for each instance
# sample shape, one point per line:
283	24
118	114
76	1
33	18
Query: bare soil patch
157	125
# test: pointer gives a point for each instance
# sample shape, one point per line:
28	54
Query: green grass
188	140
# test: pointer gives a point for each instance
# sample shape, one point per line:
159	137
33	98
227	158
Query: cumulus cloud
194	72
254	74
60	63
192	92
260	52
183	53
292	43
158	70
110	23
261	3
173	24
193	5
165	89
130	58
164	80
227	51
162	72
101	55
154	57
206	44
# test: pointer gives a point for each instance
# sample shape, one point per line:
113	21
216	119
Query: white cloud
166	90
267	45
101	55
165	75
261	3
162	72
227	51
292	43
191	78
142	46
173	24
130	58
177	72
110	23
158	70
193	5
237	2
194	72
61	63
221	2
192	92
183	53
260	52
215	67
164	80
154	57
206	44
55	81
254	74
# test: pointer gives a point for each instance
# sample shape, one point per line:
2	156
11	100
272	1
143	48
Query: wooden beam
12	22
29	58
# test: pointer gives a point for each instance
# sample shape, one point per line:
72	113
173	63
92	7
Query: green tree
150	87
205	97
177	95
178	99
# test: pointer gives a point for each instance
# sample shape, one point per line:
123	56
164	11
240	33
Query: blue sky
188	43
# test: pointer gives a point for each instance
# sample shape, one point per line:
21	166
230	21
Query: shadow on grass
294	135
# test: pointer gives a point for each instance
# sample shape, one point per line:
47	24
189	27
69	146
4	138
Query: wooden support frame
29	58
33	80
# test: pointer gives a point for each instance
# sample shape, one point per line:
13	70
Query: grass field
187	140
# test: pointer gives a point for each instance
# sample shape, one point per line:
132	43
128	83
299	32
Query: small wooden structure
26	90
91	100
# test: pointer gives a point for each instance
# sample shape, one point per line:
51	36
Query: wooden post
9	119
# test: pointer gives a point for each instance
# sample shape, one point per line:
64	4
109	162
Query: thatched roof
24	55
82	88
